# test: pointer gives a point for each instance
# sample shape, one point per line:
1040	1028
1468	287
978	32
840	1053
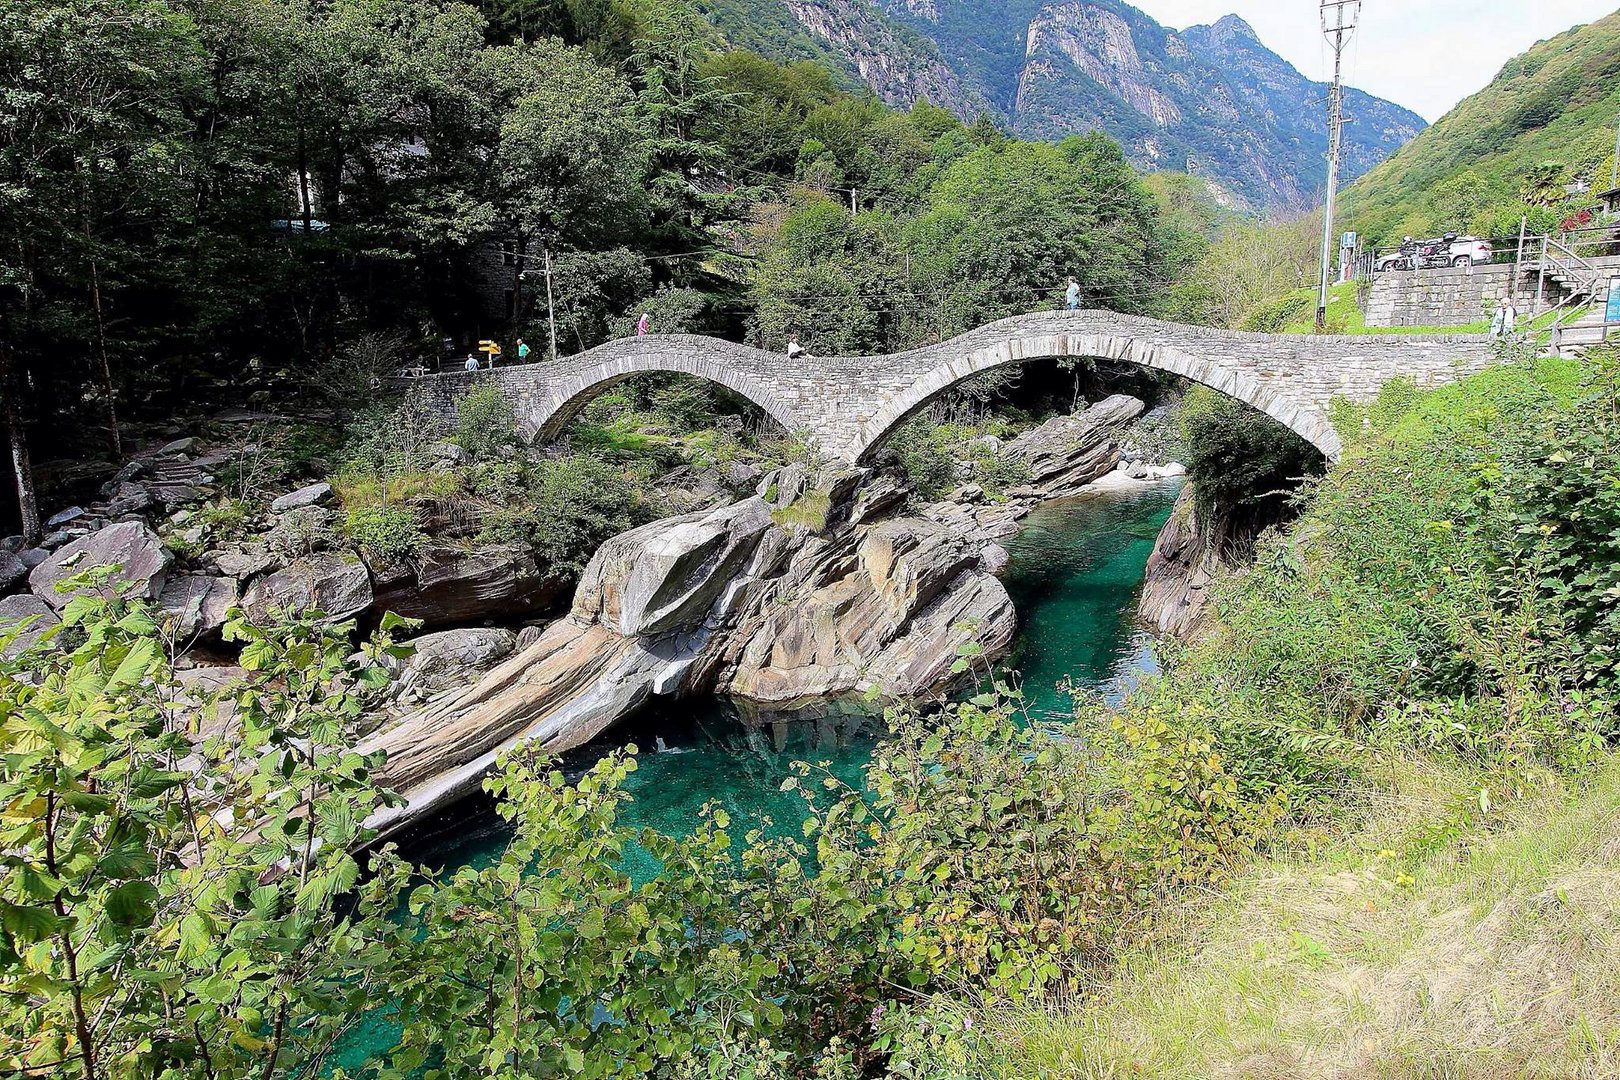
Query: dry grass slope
1435	939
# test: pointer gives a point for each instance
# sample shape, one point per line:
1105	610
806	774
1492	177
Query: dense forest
251	202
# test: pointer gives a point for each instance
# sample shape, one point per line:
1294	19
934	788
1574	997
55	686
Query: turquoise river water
1076	570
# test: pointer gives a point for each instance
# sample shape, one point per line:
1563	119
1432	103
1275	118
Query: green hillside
1548	118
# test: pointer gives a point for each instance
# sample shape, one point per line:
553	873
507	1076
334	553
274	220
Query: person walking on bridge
1071	296
644	325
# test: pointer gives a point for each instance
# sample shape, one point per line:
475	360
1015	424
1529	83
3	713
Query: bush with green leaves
1443	592
486	423
391	534
924	457
386	442
160	920
574	503
1241	461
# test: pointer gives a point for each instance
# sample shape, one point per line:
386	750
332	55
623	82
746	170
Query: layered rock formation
782	599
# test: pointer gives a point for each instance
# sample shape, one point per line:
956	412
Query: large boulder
1068	452
1186	560
879	610
666	576
304	496
13	572
142	560
447	586
731	599
452	657
243	561
337	585
16	609
195	606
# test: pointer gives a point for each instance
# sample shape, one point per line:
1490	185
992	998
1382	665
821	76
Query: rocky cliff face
1211	100
900	67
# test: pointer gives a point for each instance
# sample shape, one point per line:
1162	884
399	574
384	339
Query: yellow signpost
491	347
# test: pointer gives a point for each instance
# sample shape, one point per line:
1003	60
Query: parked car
1448	250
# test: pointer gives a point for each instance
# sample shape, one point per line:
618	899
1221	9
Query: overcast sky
1424	54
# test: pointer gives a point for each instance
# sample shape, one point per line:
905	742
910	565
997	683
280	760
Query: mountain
1211	100
1545	124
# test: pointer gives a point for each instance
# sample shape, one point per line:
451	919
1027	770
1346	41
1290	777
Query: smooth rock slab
140	556
452	657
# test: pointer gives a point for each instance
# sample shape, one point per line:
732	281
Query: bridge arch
1310	424
546	419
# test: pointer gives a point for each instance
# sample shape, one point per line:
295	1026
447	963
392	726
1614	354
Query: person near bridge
1071	296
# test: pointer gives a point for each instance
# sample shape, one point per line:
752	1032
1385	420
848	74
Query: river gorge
1075	575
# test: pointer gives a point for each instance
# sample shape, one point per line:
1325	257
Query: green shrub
574	503
485	421
1444	592
500	481
924	458
390	441
1236	456
389	533
1273	317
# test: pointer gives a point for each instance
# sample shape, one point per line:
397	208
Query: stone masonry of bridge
846	405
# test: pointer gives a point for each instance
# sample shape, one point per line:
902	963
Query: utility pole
1338	23
551	310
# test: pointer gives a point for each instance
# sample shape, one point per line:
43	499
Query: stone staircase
159	480
1576	337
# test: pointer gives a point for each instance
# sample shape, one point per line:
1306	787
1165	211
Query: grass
356	490
808	511
1440	935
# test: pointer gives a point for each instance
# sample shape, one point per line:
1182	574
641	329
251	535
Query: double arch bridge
845	406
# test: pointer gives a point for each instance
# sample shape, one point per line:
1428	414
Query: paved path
847	405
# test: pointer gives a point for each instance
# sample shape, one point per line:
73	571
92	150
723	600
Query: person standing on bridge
644	325
794	349
1071	296
522	351
472	362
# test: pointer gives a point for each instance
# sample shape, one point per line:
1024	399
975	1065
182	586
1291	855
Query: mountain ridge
1212	99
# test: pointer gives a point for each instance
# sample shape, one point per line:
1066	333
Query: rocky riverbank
826	588
822	590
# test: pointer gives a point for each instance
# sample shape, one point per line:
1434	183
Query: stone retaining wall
1457	296
1448	297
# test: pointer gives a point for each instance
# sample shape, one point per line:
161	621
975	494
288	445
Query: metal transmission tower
1338	23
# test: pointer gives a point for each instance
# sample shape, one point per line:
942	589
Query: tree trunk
22	466
106	367
86	200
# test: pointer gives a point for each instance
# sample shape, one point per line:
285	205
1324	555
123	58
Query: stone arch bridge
847	405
